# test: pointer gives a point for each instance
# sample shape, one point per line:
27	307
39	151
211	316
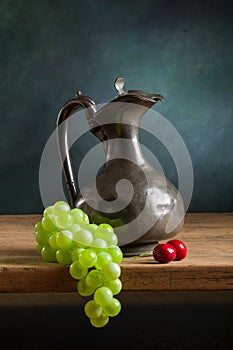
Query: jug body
137	200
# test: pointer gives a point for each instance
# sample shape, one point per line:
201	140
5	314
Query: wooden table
180	305
207	267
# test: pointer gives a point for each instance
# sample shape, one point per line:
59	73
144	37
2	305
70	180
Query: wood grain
208	265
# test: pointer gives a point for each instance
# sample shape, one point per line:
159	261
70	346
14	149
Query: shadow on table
154	325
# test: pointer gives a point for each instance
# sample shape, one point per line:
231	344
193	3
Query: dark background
181	49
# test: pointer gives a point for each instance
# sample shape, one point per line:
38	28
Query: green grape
42	237
83	237
116	254
111	271
92	227
63	257
49	211
93	310
48	254
38	248
95	279
103	296
64	239
77	271
113	241
114	285
48	223
106	227
75	228
113	308
61	206
99	322
88	258
99	243
79	215
83	289
86	218
102	259
64	220
53	240
105	232
38	226
75	253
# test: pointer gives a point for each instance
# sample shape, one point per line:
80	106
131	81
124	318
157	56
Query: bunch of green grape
64	235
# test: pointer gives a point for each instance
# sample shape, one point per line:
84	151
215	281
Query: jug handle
67	110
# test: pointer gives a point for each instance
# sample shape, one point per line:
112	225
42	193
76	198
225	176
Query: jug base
145	249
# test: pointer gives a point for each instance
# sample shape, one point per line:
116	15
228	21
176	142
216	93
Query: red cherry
164	252
180	247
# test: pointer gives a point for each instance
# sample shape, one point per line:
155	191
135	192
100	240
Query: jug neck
117	126
126	146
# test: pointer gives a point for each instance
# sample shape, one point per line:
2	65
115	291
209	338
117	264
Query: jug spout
123	114
135	96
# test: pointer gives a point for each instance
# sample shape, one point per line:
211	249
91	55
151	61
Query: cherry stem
147	253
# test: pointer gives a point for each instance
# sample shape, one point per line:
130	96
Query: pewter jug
141	204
